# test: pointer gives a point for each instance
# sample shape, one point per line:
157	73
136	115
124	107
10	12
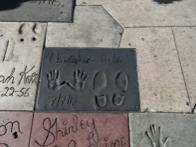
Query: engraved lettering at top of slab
61	10
97	79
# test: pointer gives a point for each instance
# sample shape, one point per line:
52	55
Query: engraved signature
53	131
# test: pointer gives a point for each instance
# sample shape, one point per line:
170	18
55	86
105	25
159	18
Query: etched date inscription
16	78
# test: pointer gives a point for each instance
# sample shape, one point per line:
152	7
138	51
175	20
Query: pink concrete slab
79	130
15	128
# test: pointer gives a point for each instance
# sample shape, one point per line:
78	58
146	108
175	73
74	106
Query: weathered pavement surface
163	33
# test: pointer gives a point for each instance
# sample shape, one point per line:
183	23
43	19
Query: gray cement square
186	45
161	83
162	130
37	10
92	27
90	79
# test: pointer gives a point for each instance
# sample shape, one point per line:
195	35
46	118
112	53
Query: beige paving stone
161	83
21	46
92	27
186	45
131	13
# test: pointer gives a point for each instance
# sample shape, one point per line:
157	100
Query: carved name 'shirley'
88	80
37	10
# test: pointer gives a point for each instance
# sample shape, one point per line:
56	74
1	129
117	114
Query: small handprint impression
155	137
80	79
54	80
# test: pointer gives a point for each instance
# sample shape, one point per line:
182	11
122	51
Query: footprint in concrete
26	31
122	83
99	84
101	100
100	81
118	99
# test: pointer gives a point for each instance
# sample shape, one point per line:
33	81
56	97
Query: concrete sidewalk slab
91	80
92	27
37	10
186	45
162	130
21	46
161	83
81	130
15	128
135	13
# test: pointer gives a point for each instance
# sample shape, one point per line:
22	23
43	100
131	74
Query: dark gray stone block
36	10
75	79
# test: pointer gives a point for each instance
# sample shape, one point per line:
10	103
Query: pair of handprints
99	83
54	83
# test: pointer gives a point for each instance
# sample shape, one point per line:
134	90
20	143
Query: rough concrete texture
92	27
21	46
186	45
161	83
134	13
162	130
37	10
80	79
15	129
79	130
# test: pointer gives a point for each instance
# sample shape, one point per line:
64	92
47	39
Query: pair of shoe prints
71	79
76	79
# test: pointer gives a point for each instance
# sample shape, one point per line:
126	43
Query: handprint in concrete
155	137
80	79
54	80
